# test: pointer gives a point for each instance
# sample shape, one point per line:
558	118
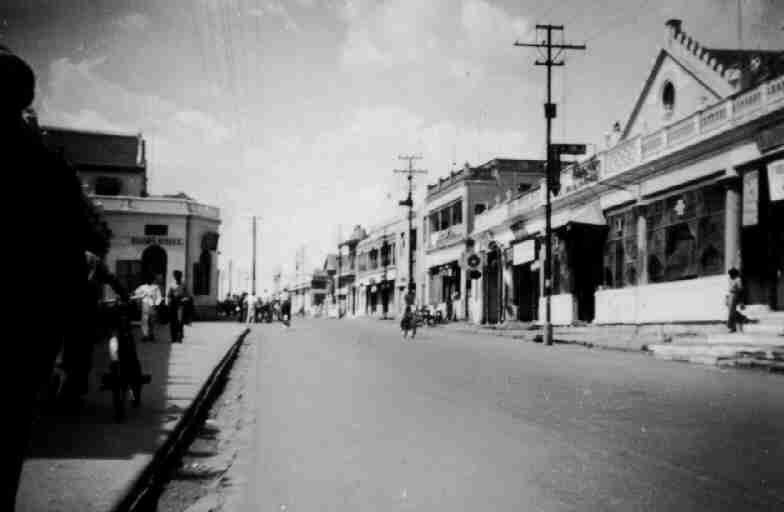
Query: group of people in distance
174	308
266	306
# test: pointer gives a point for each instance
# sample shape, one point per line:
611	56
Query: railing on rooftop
633	152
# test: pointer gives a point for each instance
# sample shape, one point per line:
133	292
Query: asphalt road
352	417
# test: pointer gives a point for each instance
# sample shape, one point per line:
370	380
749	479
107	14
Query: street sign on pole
568	149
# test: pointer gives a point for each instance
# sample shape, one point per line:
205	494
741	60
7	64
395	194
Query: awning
590	213
444	256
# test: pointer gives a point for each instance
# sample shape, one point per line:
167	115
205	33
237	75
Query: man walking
734	300
285	307
177	295
150	297
250	306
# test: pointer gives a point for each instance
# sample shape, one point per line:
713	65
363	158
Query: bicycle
125	371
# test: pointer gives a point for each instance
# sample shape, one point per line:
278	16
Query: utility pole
253	255
553	166
409	201
230	272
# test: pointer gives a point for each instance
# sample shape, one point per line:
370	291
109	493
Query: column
642	243
732	221
542	253
507	311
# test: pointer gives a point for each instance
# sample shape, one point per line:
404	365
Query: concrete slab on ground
86	461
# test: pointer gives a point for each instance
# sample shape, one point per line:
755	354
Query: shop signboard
776	180
524	252
750	198
156	240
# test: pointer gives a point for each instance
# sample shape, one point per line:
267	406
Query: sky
296	111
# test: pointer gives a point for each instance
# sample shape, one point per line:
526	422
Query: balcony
446	236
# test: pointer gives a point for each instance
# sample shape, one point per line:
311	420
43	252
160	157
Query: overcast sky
296	110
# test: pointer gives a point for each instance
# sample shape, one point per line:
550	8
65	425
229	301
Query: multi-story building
347	271
151	235
382	267
450	207
645	231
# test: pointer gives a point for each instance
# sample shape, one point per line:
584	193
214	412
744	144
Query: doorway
154	261
526	287
492	287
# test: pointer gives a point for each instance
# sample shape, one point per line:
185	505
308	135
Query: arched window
668	97
201	274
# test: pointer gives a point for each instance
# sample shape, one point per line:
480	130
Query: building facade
381	263
450	208
645	231
151	235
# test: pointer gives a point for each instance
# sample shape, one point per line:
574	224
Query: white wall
562	308
690	300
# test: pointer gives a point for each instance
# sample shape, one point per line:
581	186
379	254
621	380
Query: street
352	417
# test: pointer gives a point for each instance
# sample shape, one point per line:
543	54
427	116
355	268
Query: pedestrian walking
734	301
285	307
177	297
409	321
150	297
250	307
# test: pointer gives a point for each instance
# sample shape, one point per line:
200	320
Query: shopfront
762	232
445	285
525	279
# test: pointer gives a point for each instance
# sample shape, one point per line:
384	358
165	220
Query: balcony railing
633	152
446	236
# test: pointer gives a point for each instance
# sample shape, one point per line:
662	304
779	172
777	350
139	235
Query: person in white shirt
251	307
150	297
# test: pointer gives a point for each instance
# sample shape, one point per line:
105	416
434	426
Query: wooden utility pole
409	201
553	167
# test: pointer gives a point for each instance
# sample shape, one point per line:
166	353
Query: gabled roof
86	148
720	72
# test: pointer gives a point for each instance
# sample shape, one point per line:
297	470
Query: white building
151	235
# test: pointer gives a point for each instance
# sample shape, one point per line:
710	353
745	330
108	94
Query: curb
143	491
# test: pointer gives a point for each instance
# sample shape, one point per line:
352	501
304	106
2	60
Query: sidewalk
87	462
762	346
615	337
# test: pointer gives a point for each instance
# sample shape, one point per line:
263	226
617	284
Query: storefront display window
620	251
686	235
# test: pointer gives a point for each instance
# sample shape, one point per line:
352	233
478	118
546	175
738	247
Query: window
479	208
107	186
445	218
686	235
668	97
434	224
201	274
129	274
156	230
457	213
620	251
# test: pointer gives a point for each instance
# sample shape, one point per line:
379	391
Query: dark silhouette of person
49	234
178	298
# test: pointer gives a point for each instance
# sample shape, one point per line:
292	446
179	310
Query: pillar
539	310
732	221
642	244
